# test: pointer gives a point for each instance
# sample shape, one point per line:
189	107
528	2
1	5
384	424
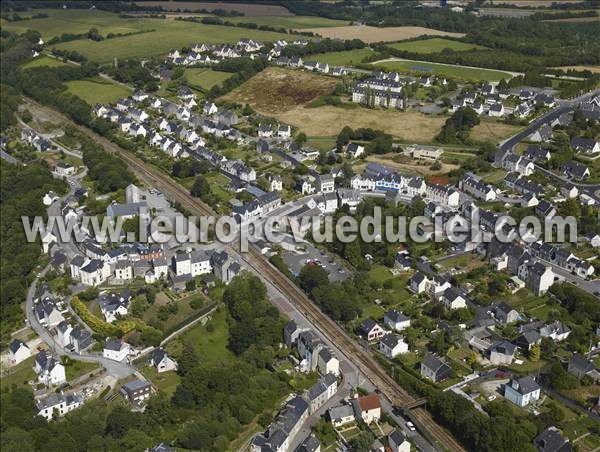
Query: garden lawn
75	369
211	346
205	78
166	382
184	310
434	45
443	70
97	90
19	375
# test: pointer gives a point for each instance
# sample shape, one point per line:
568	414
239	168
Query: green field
290	22
434	45
444	70
166	34
205	78
97	90
74	21
346	57
44	61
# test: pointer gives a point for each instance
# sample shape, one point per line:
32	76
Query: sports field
375	34
346	57
434	45
276	90
43	61
290	22
97	90
205	78
444	70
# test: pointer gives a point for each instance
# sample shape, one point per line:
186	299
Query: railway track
355	354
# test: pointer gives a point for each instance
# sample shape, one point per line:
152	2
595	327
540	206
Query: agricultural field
97	90
374	34
74	21
344	58
44	61
444	70
290	22
159	35
328	121
434	45
167	35
277	90
247	8
205	78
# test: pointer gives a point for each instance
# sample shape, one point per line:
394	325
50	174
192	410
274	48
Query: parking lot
296	260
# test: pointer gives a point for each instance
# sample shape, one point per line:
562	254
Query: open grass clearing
44	60
434	45
421	168
75	369
490	130
205	78
290	22
249	9
410	126
343	58
97	90
184	310
276	90
443	70
375	34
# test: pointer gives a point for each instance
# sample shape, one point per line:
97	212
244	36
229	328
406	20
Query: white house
395	320
452	299
398	442
161	361
50	371
58	405
391	346
116	350
18	351
522	391
367	408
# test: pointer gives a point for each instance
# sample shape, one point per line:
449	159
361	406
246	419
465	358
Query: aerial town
463	118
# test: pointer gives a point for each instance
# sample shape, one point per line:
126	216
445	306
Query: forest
21	191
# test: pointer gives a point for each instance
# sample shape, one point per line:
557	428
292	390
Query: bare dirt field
277	90
595	69
493	131
328	121
421	168
248	9
375	34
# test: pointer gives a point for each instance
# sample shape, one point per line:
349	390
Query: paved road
115	368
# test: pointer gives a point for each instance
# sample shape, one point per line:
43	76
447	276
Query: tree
534	353
200	188
301	139
343	138
312	276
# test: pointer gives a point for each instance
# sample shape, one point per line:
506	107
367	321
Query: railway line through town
353	351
